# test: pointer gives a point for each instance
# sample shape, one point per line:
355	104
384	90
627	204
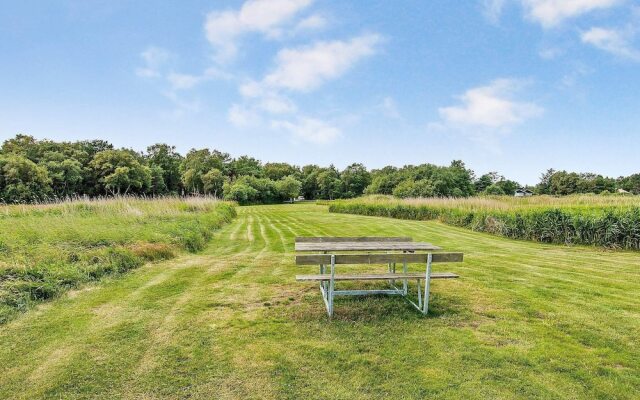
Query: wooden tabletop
365	246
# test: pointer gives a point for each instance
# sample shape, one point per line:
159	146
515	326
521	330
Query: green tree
495	190
288	188
277	171
66	174
329	183
166	157
246	166
22	180
199	162
157	184
119	172
213	182
355	178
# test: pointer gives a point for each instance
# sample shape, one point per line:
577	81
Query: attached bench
327	280
340	239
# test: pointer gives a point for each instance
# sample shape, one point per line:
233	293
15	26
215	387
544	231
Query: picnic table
379	250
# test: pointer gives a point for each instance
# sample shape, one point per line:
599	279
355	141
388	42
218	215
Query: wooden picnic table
365	246
389	250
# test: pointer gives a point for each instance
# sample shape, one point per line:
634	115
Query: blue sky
516	86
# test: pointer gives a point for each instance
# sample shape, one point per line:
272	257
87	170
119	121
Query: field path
526	320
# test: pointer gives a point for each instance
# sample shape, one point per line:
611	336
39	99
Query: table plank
365	246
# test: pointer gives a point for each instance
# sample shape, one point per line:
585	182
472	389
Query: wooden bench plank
317	259
365	246
338	239
376	277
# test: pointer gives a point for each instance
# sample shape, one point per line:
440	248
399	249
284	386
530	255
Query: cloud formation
154	59
491	107
309	129
550	13
306	68
615	41
224	28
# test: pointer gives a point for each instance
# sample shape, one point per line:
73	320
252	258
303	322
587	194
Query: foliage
213	182
288	188
48	249
22	180
120	172
608	223
95	168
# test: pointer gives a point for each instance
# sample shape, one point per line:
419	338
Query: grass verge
46	250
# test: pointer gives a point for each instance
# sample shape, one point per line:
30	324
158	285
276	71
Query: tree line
41	170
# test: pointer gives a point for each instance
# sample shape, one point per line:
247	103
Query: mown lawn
525	320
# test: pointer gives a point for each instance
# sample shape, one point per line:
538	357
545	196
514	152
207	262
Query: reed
607	221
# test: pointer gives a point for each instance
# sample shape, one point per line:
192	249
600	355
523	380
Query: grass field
607	221
525	320
50	248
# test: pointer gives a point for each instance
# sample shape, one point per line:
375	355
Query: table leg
427	284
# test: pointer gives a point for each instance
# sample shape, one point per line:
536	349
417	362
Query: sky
514	86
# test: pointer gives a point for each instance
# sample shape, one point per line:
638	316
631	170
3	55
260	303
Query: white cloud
183	81
154	58
274	104
309	129
492	9
550	13
312	22
180	81
306	68
491	107
264	16
242	117
616	42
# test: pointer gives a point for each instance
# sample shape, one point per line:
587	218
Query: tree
66	174
630	183
157	185
355	178
165	157
310	181
288	188
213	182
544	187
277	171
508	187
410	188
118	172
199	162
329	183
495	190
240	192
246	166
22	180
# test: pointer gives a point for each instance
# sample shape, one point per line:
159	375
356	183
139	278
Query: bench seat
375	277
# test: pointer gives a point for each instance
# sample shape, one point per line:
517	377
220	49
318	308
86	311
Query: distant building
523	192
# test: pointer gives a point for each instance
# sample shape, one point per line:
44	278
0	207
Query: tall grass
47	249
608	221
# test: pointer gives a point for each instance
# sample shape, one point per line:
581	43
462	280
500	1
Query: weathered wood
324	239
365	246
376	277
317	259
